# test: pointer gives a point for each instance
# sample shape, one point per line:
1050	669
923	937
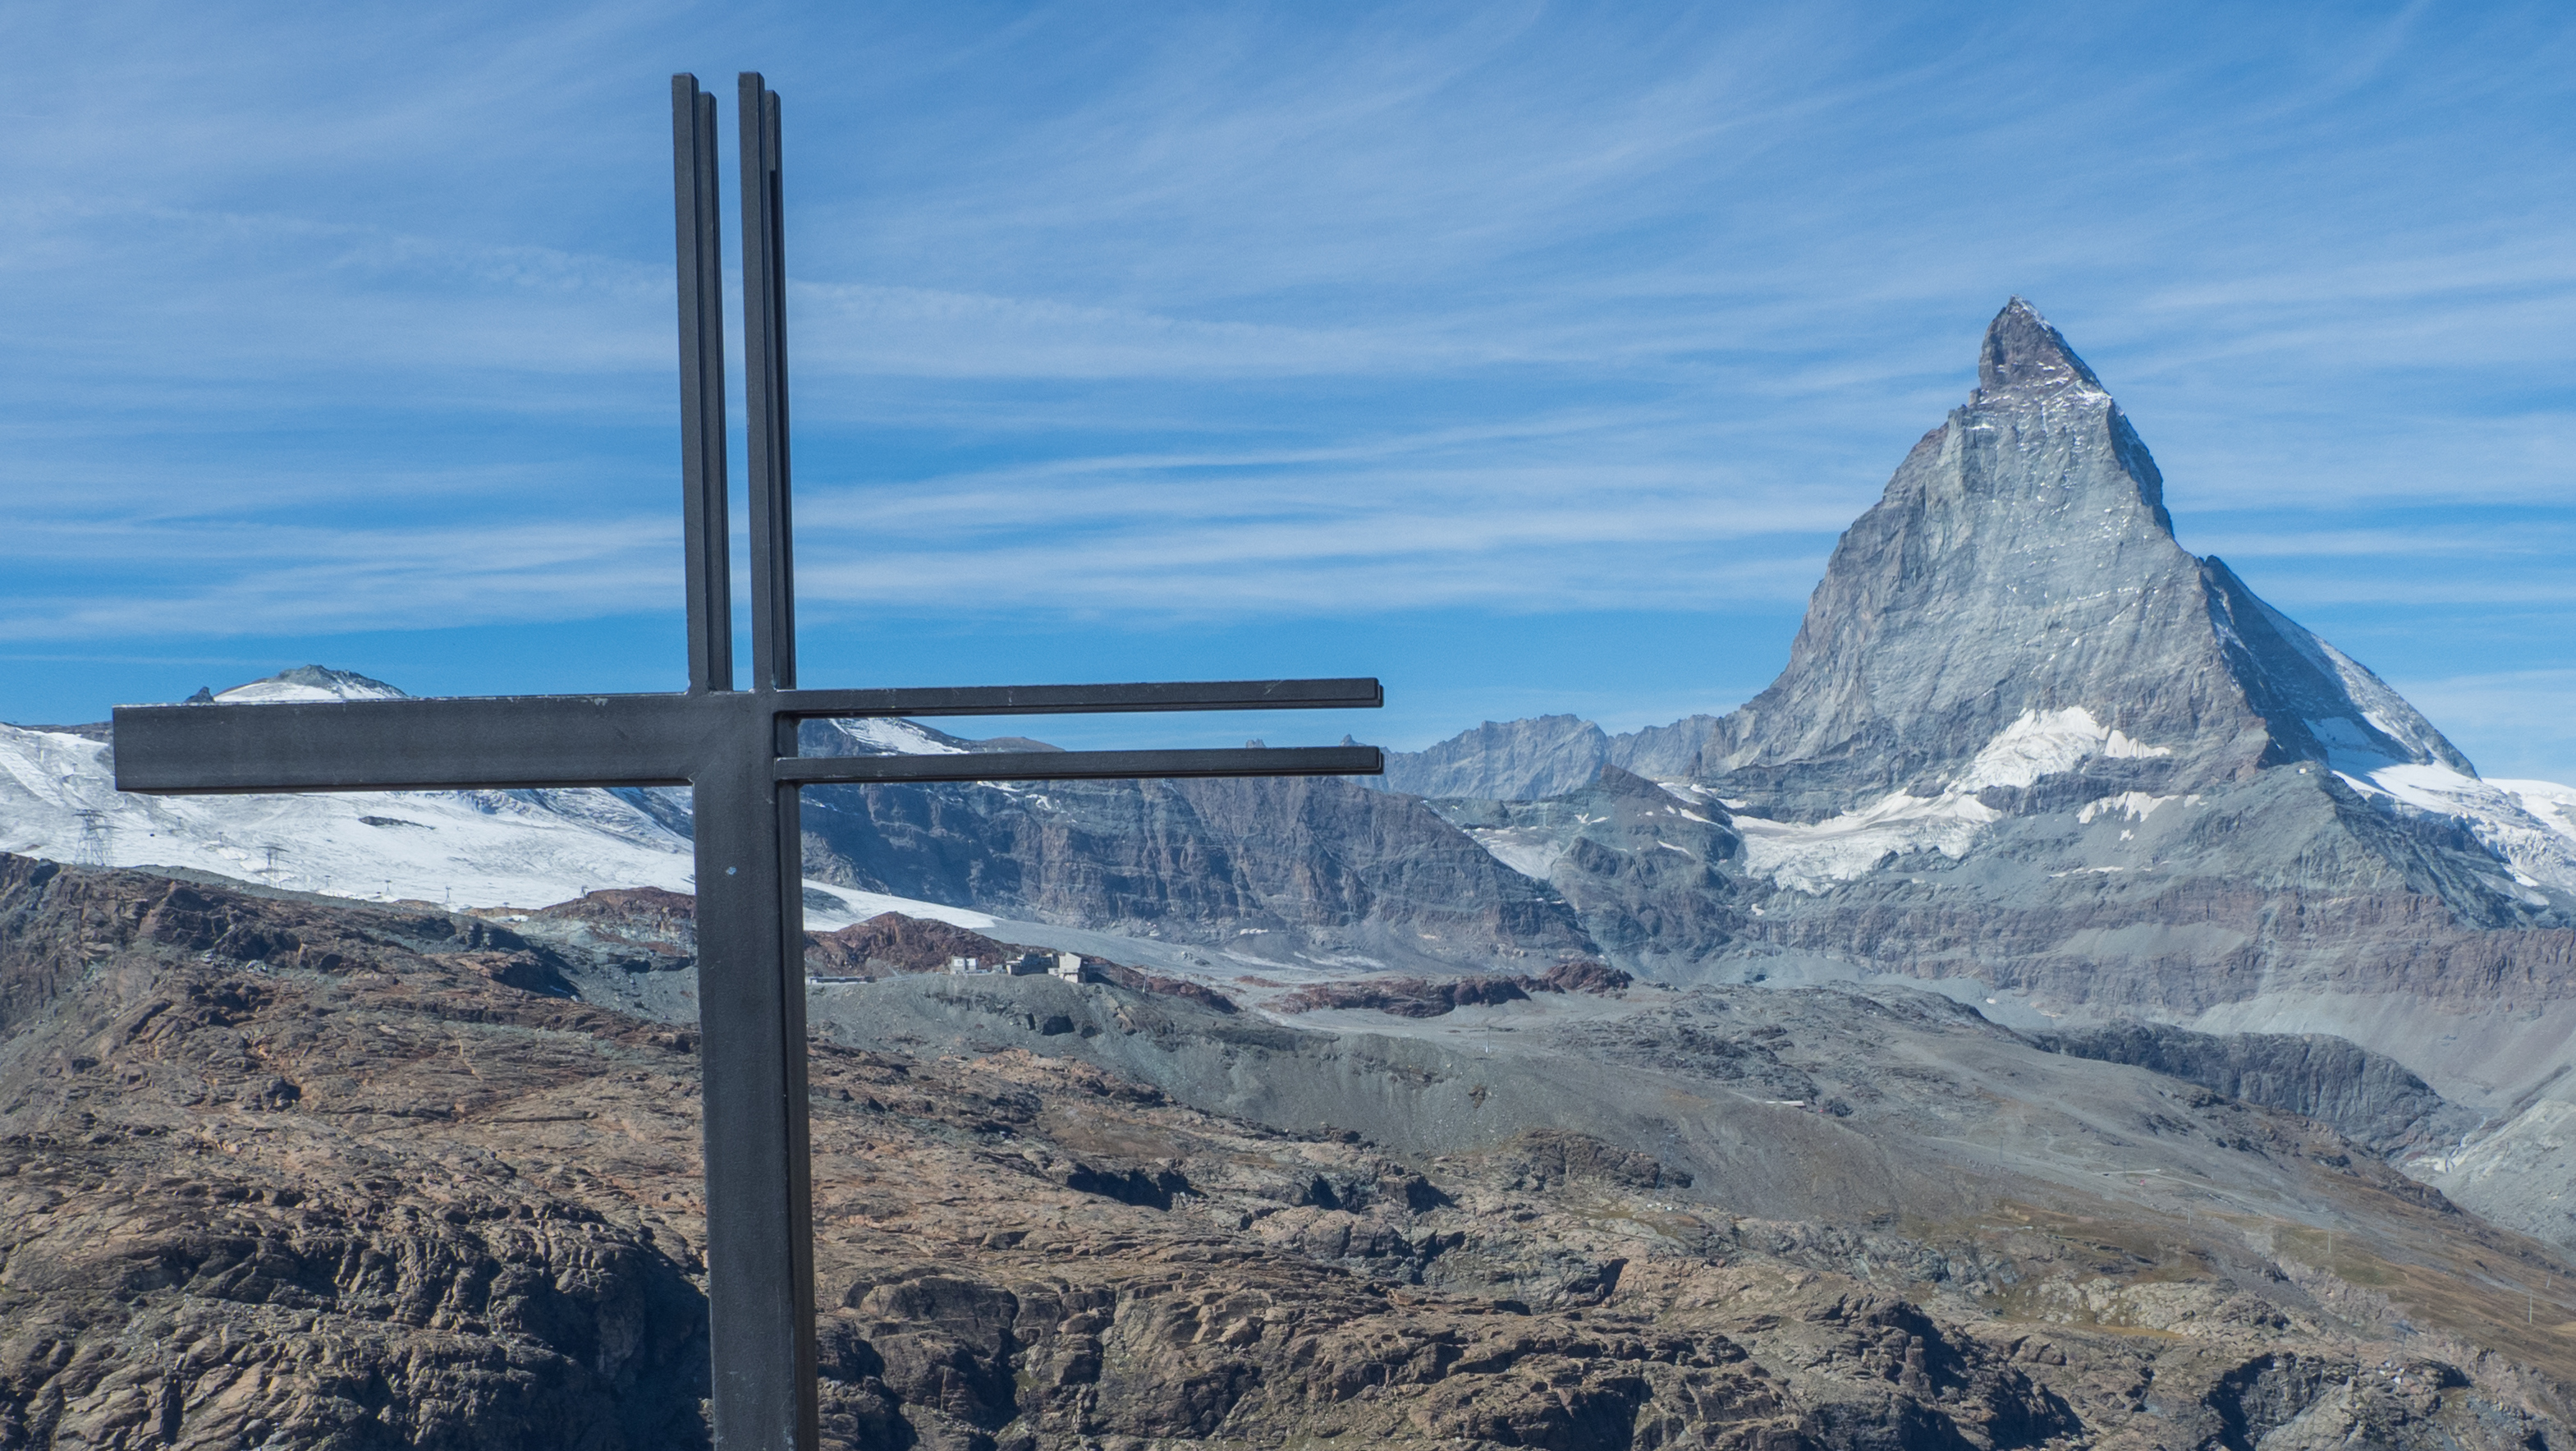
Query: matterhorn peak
2021	569
2023	354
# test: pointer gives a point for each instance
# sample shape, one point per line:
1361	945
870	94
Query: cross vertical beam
751	1026
751	912
764	384
707	533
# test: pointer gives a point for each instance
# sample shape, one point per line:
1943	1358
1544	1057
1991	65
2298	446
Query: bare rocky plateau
283	1173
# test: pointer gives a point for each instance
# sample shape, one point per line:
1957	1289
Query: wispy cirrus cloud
330	320
2527	717
281	577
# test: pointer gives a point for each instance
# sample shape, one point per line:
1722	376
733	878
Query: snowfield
2045	743
58	800
471	848
2531	824
1813	857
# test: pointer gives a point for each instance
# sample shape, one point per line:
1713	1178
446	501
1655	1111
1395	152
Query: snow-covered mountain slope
1810	856
58	799
310	682
486	848
2531	824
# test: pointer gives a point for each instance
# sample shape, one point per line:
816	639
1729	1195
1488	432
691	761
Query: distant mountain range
2028	751
58	799
2031	752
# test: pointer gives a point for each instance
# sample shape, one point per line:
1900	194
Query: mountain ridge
2028	751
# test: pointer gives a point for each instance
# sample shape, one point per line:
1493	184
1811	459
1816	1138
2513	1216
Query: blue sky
1530	357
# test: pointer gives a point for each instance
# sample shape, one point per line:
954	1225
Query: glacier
481	849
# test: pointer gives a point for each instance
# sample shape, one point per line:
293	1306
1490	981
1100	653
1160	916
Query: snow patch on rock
886	736
1527	852
1813	857
2130	805
2531	824
2047	743
310	682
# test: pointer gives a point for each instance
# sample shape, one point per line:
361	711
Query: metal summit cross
736	751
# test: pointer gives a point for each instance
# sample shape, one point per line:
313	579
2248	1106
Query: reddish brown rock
893	942
282	1174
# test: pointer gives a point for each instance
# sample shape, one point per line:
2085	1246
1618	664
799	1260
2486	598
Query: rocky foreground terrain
284	1173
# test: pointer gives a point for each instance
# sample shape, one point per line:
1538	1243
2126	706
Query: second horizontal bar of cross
505	742
1137	698
1082	765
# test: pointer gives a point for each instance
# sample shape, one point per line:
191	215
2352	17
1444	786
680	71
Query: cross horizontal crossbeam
1084	765
510	742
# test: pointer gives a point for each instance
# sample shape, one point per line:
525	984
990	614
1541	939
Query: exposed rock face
1317	866
1519	760
1322	867
660	928
311	1176
2022	566
2369	1097
1649	873
1663	752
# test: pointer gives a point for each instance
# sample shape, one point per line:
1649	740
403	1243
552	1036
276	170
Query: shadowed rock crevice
2368	1097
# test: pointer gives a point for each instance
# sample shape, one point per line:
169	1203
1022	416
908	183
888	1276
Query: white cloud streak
1222	313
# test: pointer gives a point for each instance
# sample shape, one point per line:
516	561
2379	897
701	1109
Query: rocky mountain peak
310	682
2021	567
2023	354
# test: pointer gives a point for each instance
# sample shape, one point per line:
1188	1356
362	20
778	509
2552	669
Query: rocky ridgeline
1540	756
2029	746
1413	997
1319	866
298	1175
646	931
2024	737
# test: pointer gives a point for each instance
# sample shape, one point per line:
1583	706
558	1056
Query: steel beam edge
1083	765
454	743
1142	697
